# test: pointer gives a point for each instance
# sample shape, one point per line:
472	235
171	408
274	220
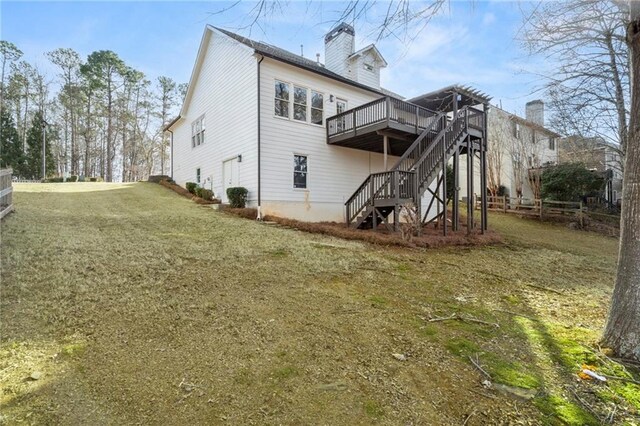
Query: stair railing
436	152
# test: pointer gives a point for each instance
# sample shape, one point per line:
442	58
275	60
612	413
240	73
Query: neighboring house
519	149
598	155
302	137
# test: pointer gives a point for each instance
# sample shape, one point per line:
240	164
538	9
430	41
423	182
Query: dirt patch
185	193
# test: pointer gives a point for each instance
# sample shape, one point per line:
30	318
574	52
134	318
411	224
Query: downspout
259	181
171	152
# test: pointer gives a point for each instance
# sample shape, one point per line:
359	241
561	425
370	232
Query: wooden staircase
383	193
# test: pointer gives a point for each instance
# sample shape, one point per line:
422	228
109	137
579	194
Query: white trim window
552	144
317	107
281	104
197	132
300	171
198	175
299	103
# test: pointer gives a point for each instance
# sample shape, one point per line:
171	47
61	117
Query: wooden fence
6	192
536	207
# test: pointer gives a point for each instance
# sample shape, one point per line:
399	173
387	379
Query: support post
385	149
471	178
444	194
483	189
456	191
469	187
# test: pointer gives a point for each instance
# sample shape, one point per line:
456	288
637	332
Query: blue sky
469	42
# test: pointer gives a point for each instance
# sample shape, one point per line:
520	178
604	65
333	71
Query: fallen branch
539	287
455	316
477	365
586	405
623	379
469	416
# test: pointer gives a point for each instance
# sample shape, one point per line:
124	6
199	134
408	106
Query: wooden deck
364	127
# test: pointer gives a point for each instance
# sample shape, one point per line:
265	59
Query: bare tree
588	85
622	332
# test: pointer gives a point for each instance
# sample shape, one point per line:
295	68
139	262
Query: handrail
387	108
426	152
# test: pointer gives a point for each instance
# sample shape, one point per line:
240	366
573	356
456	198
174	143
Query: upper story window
552	144
197	132
317	107
368	67
341	106
516	130
298	103
282	99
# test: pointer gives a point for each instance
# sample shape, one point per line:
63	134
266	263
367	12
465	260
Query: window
299	103
300	171
317	106
516	130
198	175
341	106
552	144
197	132
282	99
368	67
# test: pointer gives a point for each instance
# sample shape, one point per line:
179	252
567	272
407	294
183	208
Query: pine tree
11	154
34	150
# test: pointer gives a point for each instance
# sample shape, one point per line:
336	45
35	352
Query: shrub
93	179
198	192
191	187
72	178
570	182
206	194
237	197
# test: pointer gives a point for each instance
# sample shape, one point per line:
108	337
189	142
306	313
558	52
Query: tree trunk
622	332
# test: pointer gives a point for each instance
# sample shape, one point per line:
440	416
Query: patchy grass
137	305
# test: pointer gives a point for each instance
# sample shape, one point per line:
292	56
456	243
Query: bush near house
237	197
191	187
72	178
206	194
570	182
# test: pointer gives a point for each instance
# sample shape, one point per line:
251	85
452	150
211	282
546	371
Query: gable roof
371	47
278	54
285	56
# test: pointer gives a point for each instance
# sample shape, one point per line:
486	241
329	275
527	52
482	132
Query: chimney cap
535	101
341	28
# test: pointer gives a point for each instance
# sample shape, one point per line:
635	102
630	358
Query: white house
519	148
303	136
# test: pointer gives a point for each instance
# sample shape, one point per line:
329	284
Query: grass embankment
136	305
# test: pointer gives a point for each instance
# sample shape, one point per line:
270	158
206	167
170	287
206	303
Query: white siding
334	173
225	90
364	76
337	52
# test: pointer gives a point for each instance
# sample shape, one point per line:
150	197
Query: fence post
541	208
504	200
581	216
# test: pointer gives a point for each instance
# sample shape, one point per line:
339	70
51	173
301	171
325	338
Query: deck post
444	194
385	148
469	188
485	147
388	101
456	190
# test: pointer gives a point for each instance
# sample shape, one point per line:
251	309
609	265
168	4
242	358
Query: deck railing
393	184
384	109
